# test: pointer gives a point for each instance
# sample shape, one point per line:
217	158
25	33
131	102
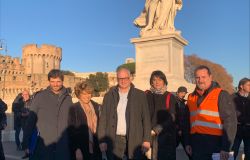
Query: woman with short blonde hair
83	120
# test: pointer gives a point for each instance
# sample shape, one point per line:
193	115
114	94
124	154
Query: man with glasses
124	125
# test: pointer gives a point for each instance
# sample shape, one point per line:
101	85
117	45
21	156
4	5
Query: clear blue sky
95	34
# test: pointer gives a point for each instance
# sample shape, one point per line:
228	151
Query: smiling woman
162	105
83	121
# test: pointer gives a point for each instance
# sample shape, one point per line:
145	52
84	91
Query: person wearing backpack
162	106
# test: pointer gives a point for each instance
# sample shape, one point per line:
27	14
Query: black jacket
137	117
182	118
79	136
3	117
161	118
242	106
25	106
209	143
17	108
163	124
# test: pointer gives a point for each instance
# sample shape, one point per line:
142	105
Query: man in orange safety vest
212	118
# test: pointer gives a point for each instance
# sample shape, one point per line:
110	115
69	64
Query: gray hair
119	69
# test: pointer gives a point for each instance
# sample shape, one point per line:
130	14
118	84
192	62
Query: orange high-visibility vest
205	119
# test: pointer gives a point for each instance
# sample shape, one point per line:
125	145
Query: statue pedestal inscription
165	53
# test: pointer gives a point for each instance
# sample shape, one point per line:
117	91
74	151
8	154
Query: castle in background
41	60
31	72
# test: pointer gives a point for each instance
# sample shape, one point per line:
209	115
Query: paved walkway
10	151
12	154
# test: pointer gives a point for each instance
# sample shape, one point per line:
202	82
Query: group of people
134	124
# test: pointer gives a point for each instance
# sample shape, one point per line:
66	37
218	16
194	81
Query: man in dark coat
242	103
17	110
49	113
124	126
24	104
182	118
3	124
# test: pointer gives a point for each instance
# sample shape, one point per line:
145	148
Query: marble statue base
165	53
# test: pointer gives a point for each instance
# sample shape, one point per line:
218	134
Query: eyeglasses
123	79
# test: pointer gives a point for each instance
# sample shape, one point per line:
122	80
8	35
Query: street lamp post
3	45
4	74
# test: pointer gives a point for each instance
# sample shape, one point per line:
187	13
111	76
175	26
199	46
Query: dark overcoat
49	113
137	121
163	124
79	136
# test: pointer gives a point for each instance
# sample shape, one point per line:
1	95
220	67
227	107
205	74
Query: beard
201	86
56	88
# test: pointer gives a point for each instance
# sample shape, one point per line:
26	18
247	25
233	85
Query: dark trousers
84	150
201	156
167	153
242	135
203	146
161	150
44	153
2	157
120	150
49	152
180	139
17	133
120	147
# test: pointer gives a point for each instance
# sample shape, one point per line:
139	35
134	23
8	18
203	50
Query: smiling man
124	126
49	113
212	117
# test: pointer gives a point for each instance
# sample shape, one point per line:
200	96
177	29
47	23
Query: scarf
91	117
160	91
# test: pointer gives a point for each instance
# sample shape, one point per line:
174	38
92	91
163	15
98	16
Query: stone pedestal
163	53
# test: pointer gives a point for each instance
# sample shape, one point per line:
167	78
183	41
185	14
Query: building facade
31	72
